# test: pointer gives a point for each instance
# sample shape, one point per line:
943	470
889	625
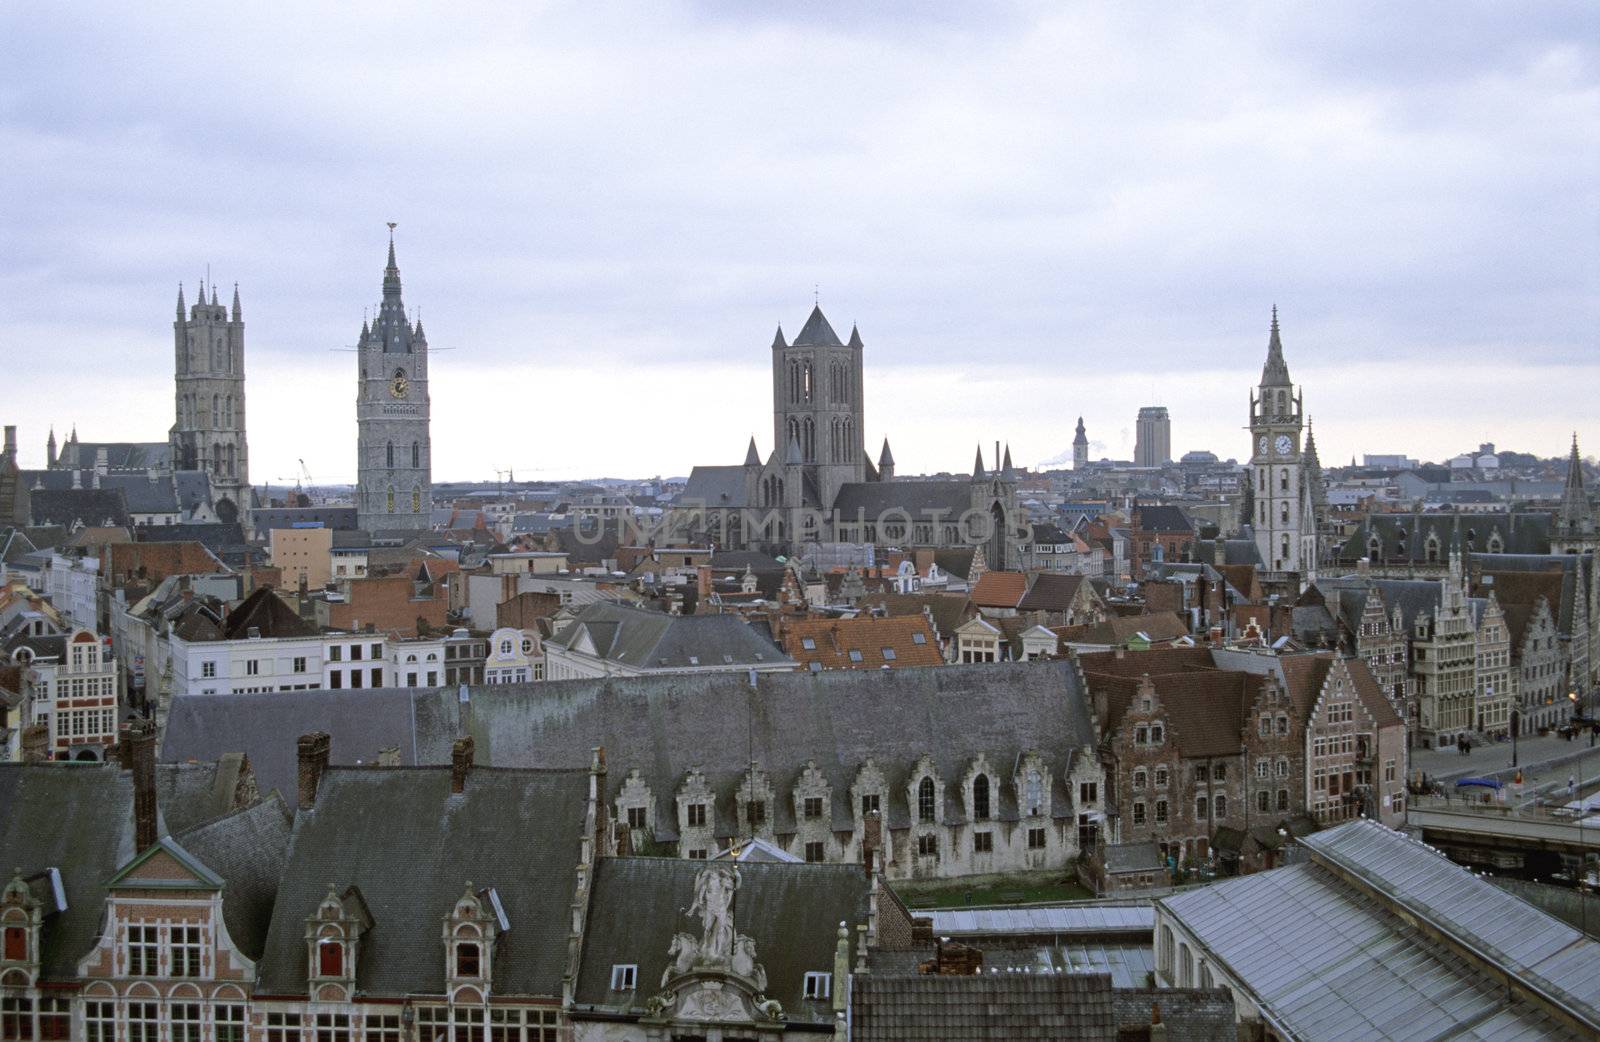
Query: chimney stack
312	750
871	841
142	739
461	754
11	442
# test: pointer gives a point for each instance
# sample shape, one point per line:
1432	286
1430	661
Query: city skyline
1112	241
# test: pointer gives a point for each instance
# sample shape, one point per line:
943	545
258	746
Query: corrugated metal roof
1039	919
1330	960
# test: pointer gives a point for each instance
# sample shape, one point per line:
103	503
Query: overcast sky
604	210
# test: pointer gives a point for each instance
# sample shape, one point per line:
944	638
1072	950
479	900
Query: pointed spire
1006	470
855	337
213	294
1275	373
752	458
391	271
418	331
777	340
1575	514
236	312
793	457
885	458
817	332
180	302
977	466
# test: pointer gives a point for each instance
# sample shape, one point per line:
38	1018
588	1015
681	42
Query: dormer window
819	985
624	976
330	958
467	960
980	797
16	944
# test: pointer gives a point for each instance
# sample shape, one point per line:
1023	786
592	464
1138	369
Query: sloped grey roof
247	849
649	639
817	332
1234	551
665	725
1503	929
340	519
265	725
1404	537
411	847
191	794
77	818
792	912
714	487
873	499
1330	960
91	507
1007	1007
1134	857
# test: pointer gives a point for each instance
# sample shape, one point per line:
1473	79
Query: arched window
808	382
1035	792
980	797
216	411
808	449
466	960
1283	479
388	455
416	455
233	457
416	500
1374	548
1430	550
1283	512
227	411
926	808
390	500
216	458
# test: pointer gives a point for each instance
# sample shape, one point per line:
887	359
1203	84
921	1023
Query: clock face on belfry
1262	445
398	386
1283	445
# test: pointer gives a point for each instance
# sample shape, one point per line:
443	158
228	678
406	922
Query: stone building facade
1282	491
394	450
208	433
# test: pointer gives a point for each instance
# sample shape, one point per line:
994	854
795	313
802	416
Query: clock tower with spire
394	455
1284	534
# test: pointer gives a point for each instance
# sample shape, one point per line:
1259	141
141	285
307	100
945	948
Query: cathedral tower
394	484
1080	447
817	405
208	434
1285	538
1575	531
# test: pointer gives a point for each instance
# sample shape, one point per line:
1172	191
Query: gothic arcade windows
416	499
927	808
980	797
416	455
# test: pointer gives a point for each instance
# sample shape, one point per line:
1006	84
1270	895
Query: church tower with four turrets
394	454
208	433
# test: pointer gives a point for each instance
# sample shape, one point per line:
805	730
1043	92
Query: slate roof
217	536
1009	1007
191	794
89	507
873	500
1153	518
1051	592
792	912
1120	629
267	613
665	725
337	518
1403	538
817	332
1234	552
1134	857
247	849
949	610
265	725
714	487
518	831
77	818
649	639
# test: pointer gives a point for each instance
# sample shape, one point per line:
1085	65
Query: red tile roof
1000	590
860	643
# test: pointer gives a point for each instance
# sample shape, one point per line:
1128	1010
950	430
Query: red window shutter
16	944
330	959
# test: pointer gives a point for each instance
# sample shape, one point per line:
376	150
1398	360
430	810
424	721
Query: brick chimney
312	751
142	740
461	754
702	577
871	841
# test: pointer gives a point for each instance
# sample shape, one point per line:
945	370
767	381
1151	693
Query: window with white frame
186	947
624	976
208	669
523	1025
283	1027
144	1022
332	1027
382	1027
184	1019
99	1021
818	985
230	1024
144	947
